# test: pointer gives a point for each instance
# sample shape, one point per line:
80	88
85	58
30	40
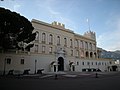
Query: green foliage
14	28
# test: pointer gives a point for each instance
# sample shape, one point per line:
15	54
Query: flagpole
88	24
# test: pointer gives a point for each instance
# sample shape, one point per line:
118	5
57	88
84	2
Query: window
77	63
82	63
102	63
43	49
76	43
82	54
36	48
99	63
105	64
77	53
110	62
71	52
91	63
90	46
37	36
71	44
22	61
51	39
50	50
43	37
96	63
88	63
86	45
81	44
8	61
58	40
65	42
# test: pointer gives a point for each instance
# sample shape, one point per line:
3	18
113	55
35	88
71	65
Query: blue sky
103	15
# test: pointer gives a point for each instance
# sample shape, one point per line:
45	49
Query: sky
103	16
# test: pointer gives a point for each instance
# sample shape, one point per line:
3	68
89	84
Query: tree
16	32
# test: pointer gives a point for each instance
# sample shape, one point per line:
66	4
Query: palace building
56	49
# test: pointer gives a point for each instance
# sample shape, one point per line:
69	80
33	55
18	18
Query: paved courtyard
63	81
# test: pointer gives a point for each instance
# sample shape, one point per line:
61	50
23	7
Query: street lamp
4	67
35	66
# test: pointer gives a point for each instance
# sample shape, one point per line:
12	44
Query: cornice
50	25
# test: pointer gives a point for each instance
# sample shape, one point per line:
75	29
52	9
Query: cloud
62	19
49	7
12	5
111	40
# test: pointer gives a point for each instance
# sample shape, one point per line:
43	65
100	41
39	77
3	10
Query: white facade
56	49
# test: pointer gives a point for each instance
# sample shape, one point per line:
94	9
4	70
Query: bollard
56	77
96	75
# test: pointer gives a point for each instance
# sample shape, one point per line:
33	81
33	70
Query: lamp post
35	66
4	67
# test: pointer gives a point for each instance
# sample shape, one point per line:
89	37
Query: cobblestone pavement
63	81
64	75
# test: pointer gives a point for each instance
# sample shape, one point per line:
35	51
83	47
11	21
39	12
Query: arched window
77	63
50	49
86	45
37	36
58	40
71	52
76	43
43	37
82	54
43	49
77	53
81	44
51	39
90	46
65	42
36	48
71	44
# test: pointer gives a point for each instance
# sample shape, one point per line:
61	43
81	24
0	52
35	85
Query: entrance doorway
60	64
114	68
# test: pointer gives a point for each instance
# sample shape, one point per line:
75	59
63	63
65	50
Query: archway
87	54
114	68
95	54
91	54
60	64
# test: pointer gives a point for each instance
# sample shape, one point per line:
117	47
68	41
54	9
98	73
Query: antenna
88	24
